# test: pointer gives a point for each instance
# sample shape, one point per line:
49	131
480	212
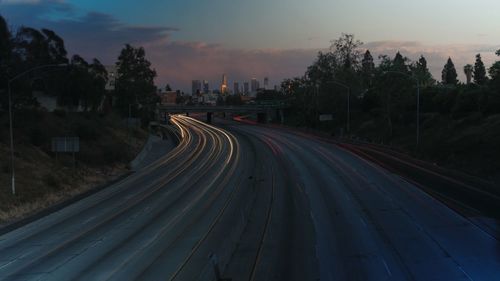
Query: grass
44	178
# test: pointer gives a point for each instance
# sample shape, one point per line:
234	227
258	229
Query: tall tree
399	63
98	90
323	68
449	73
421	71
5	54
135	82
55	47
468	70
479	71
367	69
79	83
346	51
5	40
495	73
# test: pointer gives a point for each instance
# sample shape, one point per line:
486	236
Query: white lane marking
6	264
363	222
386	267
465	273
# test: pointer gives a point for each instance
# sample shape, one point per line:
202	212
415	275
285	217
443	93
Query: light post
13	173
348	102
418	99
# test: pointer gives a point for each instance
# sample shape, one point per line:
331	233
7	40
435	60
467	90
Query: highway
153	225
369	224
253	203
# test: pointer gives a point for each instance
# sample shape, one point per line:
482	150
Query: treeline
387	90
74	82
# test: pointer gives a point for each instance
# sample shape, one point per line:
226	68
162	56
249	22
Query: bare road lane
370	224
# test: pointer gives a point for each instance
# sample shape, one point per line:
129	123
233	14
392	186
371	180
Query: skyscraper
206	88
266	83
246	88
195	87
236	88
254	85
223	86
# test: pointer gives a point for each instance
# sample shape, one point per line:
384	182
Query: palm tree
468	70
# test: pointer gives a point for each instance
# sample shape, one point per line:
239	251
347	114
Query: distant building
206	88
236	88
266	82
223	86
254	85
246	88
168	98
208	99
112	75
195	87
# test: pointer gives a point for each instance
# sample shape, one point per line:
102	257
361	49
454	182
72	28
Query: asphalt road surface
252	203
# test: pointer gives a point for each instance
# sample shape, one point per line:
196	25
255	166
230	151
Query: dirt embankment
44	178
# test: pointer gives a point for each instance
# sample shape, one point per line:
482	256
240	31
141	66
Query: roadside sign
326	117
66	144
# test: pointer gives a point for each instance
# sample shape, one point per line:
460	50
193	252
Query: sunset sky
189	39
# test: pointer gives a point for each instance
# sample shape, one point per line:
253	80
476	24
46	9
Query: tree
5	55
367	69
495	74
5	41
479	71
422	73
168	88
468	70
399	63
135	83
346	52
55	47
449	73
100	78
323	68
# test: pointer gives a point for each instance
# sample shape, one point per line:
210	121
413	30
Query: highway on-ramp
246	202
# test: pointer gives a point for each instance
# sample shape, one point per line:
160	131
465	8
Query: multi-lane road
253	203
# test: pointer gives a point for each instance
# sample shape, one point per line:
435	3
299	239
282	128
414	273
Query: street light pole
13	173
418	100
11	129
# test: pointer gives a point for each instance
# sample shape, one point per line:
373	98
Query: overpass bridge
263	111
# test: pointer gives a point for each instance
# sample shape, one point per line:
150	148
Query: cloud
19	1
178	62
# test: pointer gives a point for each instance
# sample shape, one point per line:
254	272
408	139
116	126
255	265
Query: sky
187	39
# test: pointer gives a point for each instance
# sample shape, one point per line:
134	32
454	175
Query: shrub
86	131
51	181
61	113
38	136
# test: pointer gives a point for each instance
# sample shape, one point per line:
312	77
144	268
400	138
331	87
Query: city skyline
182	45
202	85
